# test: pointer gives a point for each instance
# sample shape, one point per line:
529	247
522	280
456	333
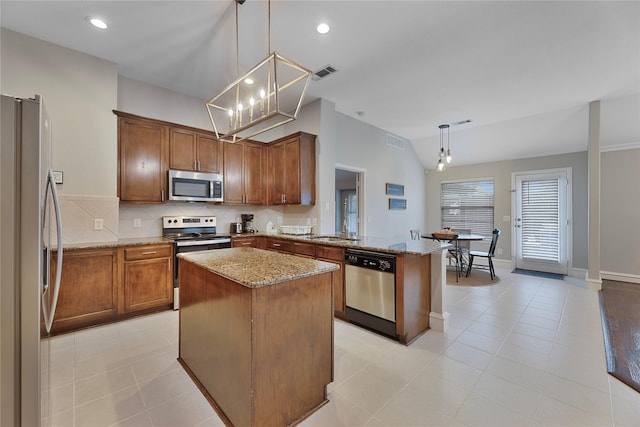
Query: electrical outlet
499	251
506	218
308	221
137	223
98	224
279	220
314	221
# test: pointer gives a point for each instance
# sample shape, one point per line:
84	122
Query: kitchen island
256	333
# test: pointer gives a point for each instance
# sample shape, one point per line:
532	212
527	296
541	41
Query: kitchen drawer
147	252
304	249
244	242
330	252
280	245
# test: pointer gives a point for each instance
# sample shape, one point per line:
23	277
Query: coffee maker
247	223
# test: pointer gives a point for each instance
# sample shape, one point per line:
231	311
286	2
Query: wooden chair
488	255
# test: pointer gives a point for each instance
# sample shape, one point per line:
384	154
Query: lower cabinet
88	290
335	255
147	277
104	285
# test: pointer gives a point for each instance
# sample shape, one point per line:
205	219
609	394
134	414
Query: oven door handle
201	242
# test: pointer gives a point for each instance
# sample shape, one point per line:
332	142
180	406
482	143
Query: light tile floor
523	352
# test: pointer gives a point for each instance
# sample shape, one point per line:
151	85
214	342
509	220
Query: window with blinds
468	204
541	220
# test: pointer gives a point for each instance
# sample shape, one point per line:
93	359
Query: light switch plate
57	177
506	218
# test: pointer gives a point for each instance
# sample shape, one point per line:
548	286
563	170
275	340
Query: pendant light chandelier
444	158
267	96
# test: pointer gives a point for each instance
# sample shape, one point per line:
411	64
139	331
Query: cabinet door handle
276	245
195	165
149	253
198	164
247	244
162	195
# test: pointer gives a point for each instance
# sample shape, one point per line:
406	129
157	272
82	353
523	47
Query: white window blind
468	204
540	220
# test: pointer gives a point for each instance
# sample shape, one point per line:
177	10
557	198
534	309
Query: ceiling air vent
323	72
395	141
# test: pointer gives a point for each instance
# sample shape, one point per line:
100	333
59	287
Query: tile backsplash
151	216
79	215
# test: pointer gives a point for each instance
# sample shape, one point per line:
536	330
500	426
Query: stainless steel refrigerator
30	230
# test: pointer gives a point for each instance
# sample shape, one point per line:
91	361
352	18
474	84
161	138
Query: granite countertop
135	241
394	245
256	268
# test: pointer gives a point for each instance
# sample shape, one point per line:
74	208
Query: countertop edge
237	271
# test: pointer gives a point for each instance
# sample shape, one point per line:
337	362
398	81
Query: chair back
415	234
494	242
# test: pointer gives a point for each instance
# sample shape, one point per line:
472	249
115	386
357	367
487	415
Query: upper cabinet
291	166
194	151
243	173
143	154
282	172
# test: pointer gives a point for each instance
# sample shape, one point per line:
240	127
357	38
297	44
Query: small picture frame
394	189
396	204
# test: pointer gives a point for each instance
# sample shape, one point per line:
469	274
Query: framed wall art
395	204
394	189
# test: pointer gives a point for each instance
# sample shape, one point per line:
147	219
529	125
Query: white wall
154	102
80	92
620	214
363	146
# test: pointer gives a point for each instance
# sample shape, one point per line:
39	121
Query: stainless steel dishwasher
370	290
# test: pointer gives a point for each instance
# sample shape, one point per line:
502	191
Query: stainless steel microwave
195	186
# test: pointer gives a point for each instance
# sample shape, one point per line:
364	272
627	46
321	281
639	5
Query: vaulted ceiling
522	71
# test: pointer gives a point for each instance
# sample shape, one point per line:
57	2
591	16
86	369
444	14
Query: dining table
456	239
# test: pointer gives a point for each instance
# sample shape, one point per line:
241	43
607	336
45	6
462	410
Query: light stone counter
256	268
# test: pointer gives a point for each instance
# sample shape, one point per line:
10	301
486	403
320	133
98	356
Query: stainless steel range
191	234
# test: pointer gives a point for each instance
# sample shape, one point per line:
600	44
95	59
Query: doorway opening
348	202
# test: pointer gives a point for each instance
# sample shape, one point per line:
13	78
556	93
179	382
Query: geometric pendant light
267	96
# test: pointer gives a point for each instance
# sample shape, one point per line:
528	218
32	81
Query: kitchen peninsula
256	333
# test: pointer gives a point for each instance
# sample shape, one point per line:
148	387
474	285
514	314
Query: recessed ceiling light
248	81
322	28
97	22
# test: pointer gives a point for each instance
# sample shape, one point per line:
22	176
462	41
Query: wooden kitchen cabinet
148	277
243	173
88	288
291	165
143	154
304	249
335	255
244	242
194	151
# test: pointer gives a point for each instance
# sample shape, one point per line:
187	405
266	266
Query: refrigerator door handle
56	286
